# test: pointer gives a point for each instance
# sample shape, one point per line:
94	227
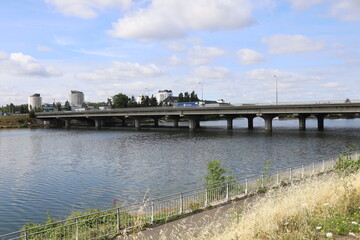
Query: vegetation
216	174
186	97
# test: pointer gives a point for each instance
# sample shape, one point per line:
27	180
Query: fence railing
116	220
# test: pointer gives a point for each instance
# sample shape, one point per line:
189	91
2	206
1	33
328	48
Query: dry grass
308	210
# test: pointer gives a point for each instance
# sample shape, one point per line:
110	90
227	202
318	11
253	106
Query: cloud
20	64
62	41
249	57
175	46
211	72
346	10
165	19
200	55
86	9
289	44
305	4
175	60
43	48
122	71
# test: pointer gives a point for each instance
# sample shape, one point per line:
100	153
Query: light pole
276	82
202	92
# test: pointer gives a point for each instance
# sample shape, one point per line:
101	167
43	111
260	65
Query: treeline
11	108
186	97
123	101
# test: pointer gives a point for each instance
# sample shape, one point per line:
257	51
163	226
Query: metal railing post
227	192
323	166
277	178
181	204
26	235
313	164
302	171
77	230
118	219
246	186
206	197
262	180
152	212
290	174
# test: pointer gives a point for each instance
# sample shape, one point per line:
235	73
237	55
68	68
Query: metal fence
110	222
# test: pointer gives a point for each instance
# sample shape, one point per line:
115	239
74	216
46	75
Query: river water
61	170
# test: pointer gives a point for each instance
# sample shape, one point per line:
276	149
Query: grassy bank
326	207
17	121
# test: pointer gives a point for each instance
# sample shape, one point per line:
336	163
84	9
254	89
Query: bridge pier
229	121
156	121
250	118
67	123
268	121
302	121
194	122
175	119
137	122
97	123
320	118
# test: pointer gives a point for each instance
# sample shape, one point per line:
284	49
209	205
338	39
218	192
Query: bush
347	164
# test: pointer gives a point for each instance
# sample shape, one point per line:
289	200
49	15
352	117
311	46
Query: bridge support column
194	122
229	121
156	121
97	123
175	119
268	121
137	123
302	121
250	118
320	118
67	123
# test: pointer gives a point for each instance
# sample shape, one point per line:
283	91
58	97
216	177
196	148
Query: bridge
195	114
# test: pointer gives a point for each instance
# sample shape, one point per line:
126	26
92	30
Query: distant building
34	102
162	95
76	99
140	98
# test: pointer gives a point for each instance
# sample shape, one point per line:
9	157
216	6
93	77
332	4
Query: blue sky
233	48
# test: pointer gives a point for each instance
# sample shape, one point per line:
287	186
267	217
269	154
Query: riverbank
18	121
323	207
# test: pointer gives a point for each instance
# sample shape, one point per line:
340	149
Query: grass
15	121
316	208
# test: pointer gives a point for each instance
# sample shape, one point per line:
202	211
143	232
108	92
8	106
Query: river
61	170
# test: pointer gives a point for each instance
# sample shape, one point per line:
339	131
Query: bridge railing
120	219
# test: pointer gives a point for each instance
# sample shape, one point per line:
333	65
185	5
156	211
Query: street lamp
276	82
202	92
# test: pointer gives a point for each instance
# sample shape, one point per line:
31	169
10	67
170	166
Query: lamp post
276	83
202	92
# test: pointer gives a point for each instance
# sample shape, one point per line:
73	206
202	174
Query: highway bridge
195	114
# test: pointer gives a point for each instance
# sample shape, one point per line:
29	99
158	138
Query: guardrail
120	219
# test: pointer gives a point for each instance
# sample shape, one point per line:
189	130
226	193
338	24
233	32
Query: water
69	170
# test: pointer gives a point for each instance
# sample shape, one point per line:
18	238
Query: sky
236	50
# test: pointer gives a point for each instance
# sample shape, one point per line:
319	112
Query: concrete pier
268	121
67	123
320	118
250	118
97	123
302	121
137	123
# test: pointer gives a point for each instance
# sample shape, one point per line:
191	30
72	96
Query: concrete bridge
195	114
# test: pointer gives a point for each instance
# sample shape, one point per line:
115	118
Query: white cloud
249	57
200	55
43	48
175	60
121	71
62	41
164	19
346	10
20	64
304	4
175	46
211	72
86	9
288	44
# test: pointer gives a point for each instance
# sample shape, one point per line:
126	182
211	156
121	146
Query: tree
193	97
132	102
153	101
181	97
120	101
67	106
216	174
